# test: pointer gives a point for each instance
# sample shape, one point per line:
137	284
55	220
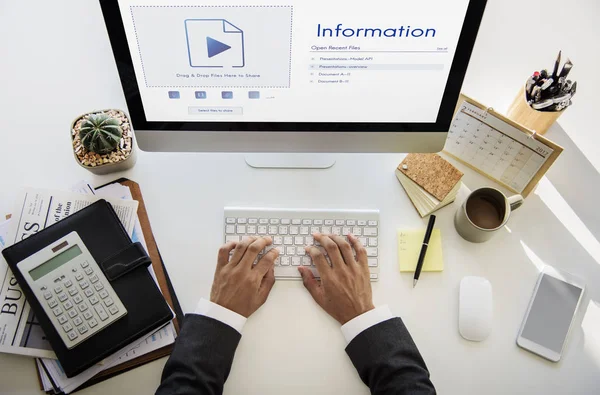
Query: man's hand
239	285
345	288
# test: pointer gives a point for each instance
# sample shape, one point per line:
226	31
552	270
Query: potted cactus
103	141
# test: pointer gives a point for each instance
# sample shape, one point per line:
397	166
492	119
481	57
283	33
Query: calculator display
55	262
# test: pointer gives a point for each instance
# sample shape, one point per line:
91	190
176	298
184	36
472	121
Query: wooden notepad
430	181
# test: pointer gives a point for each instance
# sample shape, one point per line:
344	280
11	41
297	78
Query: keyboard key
329	222
296	261
285	261
82	329
72	335
290	251
351	222
73	291
230	220
108	302
373	242
300	251
84	284
93	300
88	271
78	299
68	283
357	231
73	313
94	279
361	222
304	230
262	230
98	286
345	230
371	251
241	229
318	222
113	309
299	240
277	240
372	262
68	305
251	229
57	311
88	314
101	312
62	319
82	307
92	323
286	221
252	221
336	230
306	261
372	223
294	230
230	229
363	241
288	240
58	289
62	296
307	222
103	294
52	303
281	250
296	222
309	240
274	221
67	327
77	321
273	230
283	230
340	222
373	275
315	229
47	295
84	264
263	221
370	231
326	230
231	238
79	277
242	220
88	292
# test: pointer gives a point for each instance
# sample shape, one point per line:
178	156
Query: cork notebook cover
432	173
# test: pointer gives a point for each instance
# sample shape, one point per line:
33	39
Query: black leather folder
125	265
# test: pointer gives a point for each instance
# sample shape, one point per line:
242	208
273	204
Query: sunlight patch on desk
536	260
591	331
565	214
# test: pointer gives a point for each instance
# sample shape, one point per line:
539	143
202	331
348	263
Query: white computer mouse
475	310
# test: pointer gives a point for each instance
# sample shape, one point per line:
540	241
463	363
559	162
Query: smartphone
550	314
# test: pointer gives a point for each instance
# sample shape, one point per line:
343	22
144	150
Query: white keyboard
292	229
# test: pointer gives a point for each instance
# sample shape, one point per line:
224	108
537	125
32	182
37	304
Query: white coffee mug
484	212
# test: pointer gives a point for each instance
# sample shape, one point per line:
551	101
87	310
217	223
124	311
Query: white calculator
72	289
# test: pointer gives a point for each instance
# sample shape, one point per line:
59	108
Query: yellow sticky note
409	248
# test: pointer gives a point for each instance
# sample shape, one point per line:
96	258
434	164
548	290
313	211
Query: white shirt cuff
220	313
355	326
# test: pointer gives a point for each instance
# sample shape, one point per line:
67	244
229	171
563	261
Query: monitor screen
311	61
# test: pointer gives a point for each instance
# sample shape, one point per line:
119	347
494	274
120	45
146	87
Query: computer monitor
294	76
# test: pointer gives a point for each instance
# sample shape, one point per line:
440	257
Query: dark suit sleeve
201	359
388	361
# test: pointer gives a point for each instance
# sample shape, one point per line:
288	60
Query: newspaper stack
20	332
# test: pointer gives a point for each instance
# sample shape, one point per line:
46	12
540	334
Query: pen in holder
521	112
544	97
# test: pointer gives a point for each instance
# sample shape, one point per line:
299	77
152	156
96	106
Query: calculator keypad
82	314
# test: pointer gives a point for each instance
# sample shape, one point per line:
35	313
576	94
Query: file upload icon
214	43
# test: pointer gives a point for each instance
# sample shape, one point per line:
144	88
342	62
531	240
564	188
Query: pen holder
521	112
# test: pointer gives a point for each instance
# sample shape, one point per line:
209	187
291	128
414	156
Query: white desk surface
57	63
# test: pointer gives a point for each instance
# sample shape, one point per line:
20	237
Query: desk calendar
499	148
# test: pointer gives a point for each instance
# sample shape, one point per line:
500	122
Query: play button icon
215	47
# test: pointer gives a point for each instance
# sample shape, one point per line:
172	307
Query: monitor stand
290	161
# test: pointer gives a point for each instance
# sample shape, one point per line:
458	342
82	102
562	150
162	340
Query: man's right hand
345	288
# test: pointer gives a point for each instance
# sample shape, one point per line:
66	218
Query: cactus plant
100	133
